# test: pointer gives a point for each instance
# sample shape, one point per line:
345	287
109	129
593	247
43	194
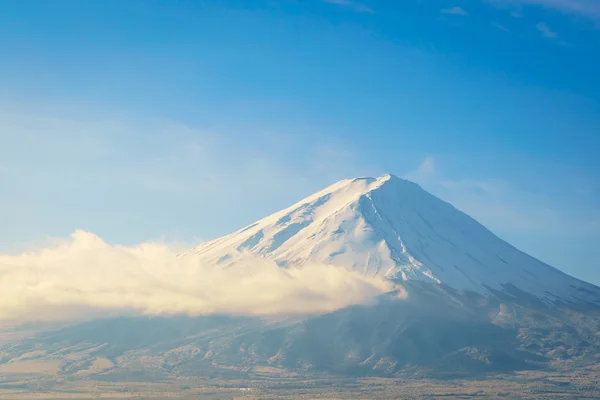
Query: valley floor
271	383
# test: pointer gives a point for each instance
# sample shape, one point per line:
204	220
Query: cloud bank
83	277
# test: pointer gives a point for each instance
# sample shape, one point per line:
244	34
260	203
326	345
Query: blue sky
185	120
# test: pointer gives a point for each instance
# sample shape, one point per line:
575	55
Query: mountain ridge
393	228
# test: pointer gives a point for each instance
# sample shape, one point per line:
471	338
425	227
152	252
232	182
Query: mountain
475	303
392	228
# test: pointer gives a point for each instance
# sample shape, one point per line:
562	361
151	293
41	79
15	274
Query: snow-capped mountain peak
391	227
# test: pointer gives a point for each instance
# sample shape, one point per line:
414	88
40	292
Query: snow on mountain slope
393	228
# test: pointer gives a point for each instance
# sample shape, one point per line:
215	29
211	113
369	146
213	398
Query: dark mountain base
434	333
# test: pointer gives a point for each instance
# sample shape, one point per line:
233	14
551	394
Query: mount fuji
391	227
474	304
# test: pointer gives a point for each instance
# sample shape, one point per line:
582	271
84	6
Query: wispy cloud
546	31
501	206
109	174
455	11
583	8
355	6
501	27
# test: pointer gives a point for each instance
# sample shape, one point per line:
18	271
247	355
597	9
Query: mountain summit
391	227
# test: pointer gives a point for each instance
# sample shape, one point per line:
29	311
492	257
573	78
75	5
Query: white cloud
84	276
455	11
425	171
500	26
546	31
